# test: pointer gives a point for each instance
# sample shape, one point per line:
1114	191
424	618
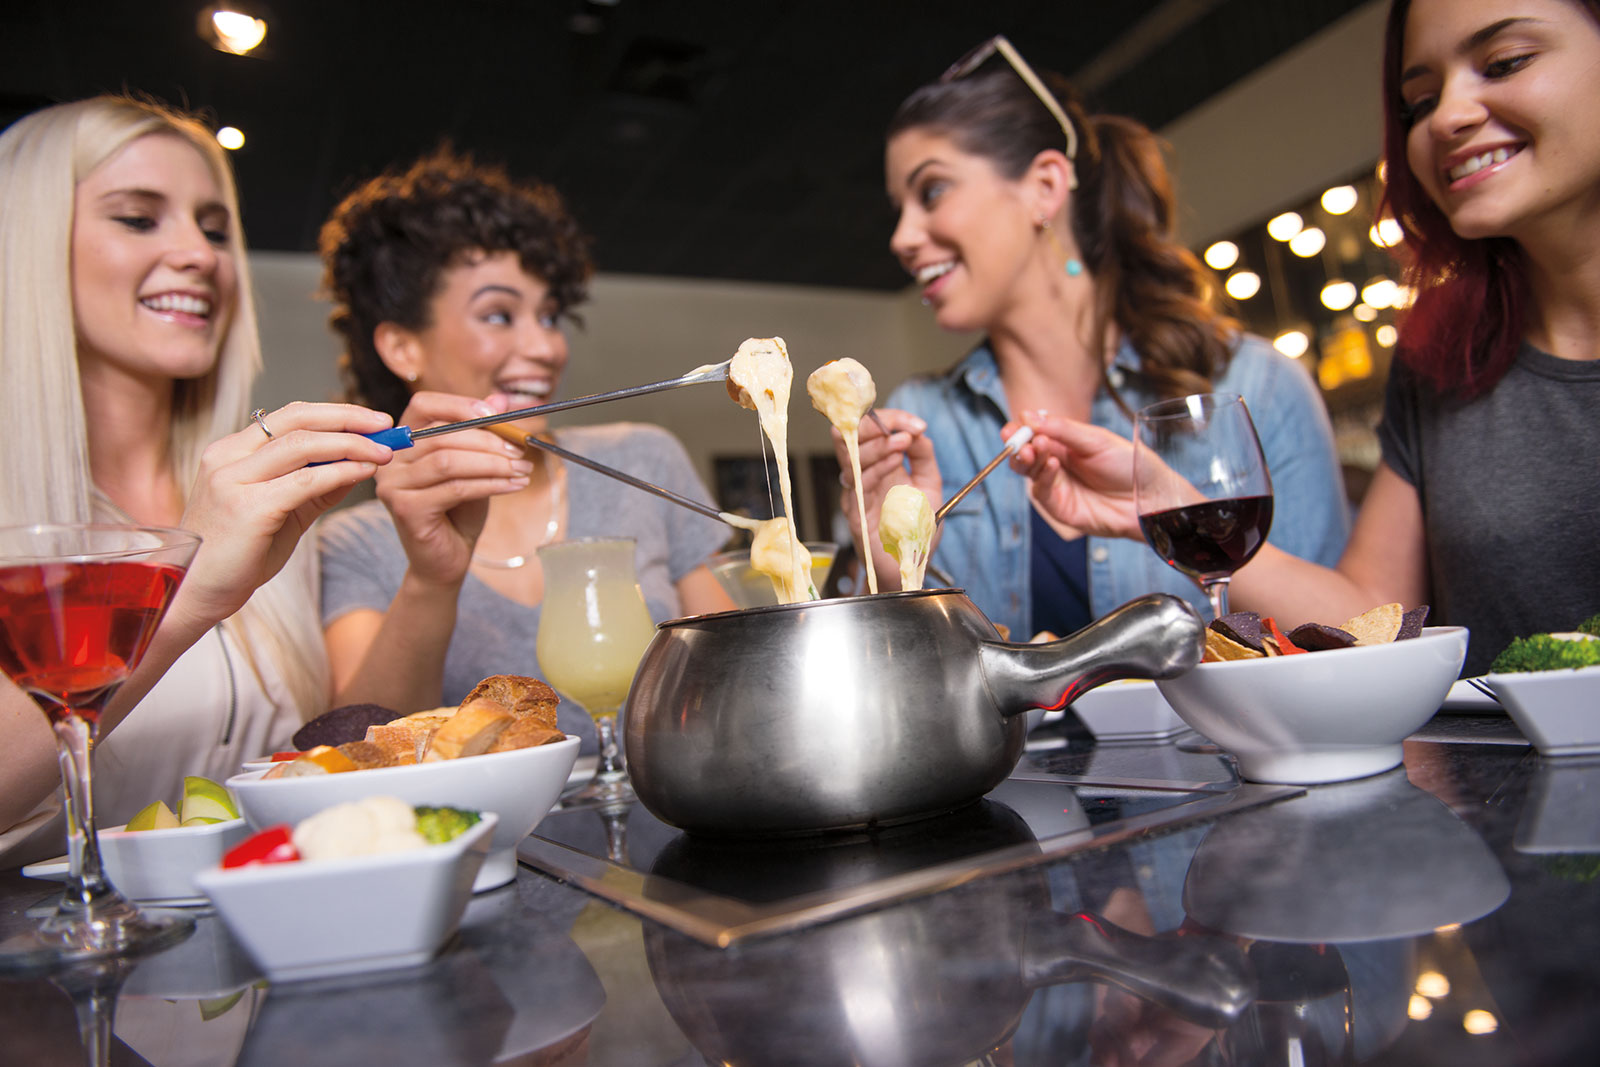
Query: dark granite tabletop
1447	912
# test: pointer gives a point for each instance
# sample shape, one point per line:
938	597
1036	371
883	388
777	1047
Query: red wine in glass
79	605
1201	486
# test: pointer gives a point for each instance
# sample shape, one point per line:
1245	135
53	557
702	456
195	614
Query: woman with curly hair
1483	505
451	282
128	346
1050	230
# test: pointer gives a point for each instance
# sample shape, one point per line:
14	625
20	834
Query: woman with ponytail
1051	230
1483	505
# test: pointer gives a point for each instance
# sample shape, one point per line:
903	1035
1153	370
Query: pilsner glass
593	630
78	607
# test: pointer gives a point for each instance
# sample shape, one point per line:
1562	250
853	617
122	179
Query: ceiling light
1243	284
1340	199
1292	343
1338	295
1222	255
1386	336
1364	312
1380	292
1284	226
1308	242
1420	1007
1386	233
232	27
1477	1021
1404	296
231	138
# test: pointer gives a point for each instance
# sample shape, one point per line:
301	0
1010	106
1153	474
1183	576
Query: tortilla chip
1242	627
1220	647
1376	627
1315	637
1411	623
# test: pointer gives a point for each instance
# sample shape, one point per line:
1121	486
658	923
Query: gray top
1509	497
363	562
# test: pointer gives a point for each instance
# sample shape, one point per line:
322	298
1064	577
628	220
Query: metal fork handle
638	483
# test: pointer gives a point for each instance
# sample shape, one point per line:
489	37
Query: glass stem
1217	590
610	766
87	886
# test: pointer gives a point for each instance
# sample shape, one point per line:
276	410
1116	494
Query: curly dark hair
1150	286
387	246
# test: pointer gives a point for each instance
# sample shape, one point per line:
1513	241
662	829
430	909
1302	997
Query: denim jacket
984	543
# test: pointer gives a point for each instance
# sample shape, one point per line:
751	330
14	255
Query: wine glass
79	604
1201	486
593	630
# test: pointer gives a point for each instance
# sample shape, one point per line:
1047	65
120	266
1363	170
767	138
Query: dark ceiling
733	139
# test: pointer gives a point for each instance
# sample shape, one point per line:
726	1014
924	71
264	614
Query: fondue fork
398	437
1014	442
611	472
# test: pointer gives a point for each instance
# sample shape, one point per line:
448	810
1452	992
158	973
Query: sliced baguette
526	732
469	732
521	695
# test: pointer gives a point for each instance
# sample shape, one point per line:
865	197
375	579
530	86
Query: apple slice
153	816
205	799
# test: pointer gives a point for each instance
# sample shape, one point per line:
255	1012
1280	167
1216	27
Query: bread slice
521	695
367	755
526	732
469	732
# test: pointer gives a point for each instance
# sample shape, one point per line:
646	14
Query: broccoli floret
1541	652
1591	625
438	825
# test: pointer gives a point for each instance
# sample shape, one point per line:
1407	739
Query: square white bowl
520	786
1321	716
157	866
1130	710
1559	711
322	918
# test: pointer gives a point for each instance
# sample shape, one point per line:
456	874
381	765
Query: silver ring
259	417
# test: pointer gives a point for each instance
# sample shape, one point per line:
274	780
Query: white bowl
1321	716
520	786
156	866
1556	710
1128	711
319	918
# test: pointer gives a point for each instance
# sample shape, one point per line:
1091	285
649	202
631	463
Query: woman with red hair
1484	503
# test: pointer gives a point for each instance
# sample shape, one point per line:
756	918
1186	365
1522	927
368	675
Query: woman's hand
1081	475
254	497
903	456
438	491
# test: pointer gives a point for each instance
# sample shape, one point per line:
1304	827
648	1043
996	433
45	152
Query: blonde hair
43	432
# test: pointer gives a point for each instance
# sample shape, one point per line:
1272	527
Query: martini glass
78	607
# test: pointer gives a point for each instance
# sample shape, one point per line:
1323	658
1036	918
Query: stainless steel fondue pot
862	711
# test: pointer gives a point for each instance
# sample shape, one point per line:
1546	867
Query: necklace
551	528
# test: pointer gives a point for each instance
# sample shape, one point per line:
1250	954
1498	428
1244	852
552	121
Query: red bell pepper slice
284	757
1285	646
273	845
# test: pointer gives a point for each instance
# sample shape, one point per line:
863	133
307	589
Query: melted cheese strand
844	391
759	378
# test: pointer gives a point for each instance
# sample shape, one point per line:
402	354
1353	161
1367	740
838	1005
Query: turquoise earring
1074	267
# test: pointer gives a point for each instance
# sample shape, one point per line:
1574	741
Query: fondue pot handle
1202	979
1155	636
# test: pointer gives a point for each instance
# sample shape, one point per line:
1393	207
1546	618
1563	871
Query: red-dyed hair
1466	326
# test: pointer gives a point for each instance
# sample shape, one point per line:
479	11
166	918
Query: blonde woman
128	345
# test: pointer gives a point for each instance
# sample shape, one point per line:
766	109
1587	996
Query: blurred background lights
1433	984
1386	336
1222	255
1380	293
1292	343
1477	1021
230	137
1308	242
1242	284
1338	295
1404	296
1385	233
1420	1007
1282	227
1364	312
1340	199
229	29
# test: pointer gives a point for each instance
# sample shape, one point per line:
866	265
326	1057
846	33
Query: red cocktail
78	607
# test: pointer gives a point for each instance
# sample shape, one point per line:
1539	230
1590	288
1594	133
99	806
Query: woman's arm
699	593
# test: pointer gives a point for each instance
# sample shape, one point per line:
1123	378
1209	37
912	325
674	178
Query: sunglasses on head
980	55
